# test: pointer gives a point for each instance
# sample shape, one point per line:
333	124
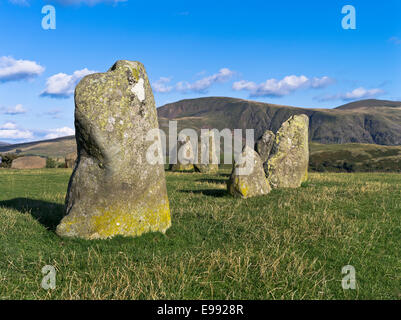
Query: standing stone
29	162
70	160
185	156
252	181
264	146
289	159
113	189
208	161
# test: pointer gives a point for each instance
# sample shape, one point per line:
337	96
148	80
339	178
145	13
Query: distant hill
366	121
59	147
3	144
370	103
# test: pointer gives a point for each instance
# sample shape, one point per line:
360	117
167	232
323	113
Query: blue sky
284	52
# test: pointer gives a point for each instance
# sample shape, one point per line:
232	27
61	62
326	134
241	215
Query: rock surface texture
113	189
289	158
264	146
251	181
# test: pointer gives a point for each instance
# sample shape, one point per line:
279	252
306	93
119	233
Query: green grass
291	244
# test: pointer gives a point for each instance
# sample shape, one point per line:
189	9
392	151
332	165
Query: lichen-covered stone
251	181
264	146
208	161
289	158
185	155
113	189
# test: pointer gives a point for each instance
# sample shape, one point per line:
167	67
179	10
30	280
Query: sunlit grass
290	244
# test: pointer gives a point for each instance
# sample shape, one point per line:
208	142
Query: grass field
291	244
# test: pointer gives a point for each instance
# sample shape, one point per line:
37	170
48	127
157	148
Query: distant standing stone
29	162
209	162
289	159
114	190
185	155
252	181
264	146
70	160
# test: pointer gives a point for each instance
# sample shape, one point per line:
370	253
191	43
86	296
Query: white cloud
283	87
62	85
59	132
162	86
8	125
205	83
13	70
9	131
199	86
18	109
356	94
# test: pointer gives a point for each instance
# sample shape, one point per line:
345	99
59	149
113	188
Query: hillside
3	144
49	148
354	157
366	121
370	103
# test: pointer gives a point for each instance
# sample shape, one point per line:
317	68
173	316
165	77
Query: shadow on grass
209	192
48	214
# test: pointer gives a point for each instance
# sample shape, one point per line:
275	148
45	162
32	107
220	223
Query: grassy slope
355	157
290	244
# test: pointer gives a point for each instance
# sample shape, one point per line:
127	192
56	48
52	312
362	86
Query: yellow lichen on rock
114	189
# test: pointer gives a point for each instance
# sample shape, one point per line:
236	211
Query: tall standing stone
208	161
289	159
113	189
264	146
248	177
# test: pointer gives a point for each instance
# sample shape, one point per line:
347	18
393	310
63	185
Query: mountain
365	121
3	144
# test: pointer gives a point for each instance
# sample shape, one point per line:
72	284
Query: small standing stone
248	178
70	160
207	152
185	156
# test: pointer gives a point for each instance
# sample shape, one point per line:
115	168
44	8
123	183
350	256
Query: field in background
354	157
291	244
351	157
